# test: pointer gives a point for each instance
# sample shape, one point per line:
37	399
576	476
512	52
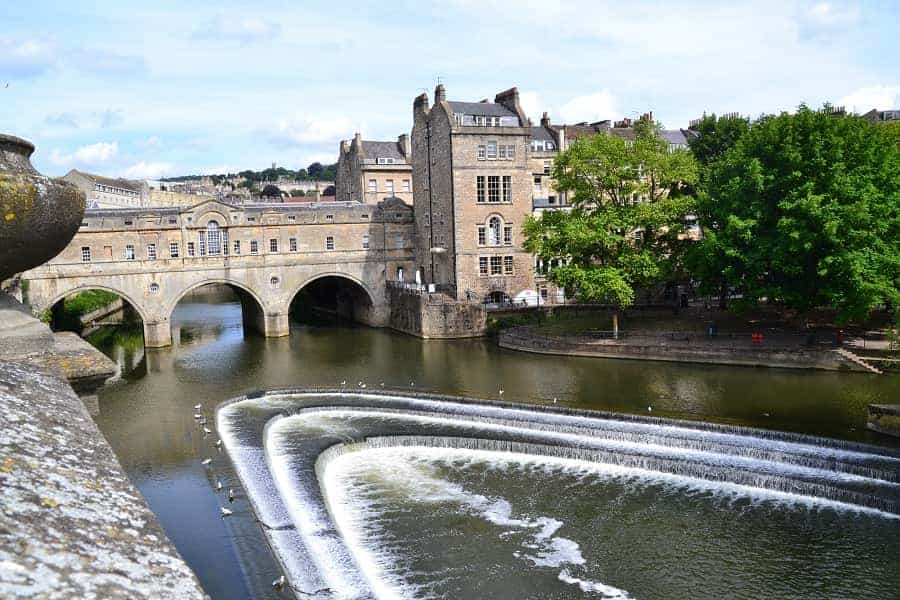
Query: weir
283	442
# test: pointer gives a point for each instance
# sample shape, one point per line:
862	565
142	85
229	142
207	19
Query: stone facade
104	192
370	172
473	192
267	253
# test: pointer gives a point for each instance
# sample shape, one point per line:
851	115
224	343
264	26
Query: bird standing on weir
278	584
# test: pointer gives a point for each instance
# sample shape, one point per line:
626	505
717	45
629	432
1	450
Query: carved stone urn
38	215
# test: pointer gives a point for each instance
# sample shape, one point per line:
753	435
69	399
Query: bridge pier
276	325
158	334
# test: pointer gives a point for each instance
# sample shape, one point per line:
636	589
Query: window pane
508	265
493	188
483	265
496	265
479	188
507	188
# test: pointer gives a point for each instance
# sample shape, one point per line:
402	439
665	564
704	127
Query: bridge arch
253	308
86	287
339	294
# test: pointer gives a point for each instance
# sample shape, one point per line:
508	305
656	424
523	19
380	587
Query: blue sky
148	89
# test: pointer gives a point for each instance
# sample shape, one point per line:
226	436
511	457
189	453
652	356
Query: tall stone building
105	192
473	192
370	171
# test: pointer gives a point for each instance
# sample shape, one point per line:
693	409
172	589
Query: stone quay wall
435	315
526	339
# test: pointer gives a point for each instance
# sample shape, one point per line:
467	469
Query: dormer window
385	161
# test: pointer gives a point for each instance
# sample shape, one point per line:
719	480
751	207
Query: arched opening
497	297
107	320
332	299
216	311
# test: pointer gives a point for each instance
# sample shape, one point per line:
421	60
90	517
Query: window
365	242
406	185
190	249
85	254
292	217
482	235
494	226
496	265
493	184
213	239
273	245
172	220
237	246
548	145
510	152
202	242
507	188
372	186
364	216
225	242
385	161
547	165
502	152
507	235
129	252
329	217
507	265
492	150
399	241
389	186
479	189
537	185
482	152
329	242
292	244
483	266
254	247
173	249
151	251
251	219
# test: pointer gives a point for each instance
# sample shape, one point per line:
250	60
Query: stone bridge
152	257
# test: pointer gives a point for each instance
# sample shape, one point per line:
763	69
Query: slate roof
382	150
487	109
127	184
542	133
674	136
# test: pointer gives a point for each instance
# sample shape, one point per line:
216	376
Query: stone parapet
434	315
72	525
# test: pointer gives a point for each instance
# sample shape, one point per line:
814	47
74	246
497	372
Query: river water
147	415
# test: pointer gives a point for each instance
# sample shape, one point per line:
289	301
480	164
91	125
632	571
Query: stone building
369	171
882	116
104	192
473	191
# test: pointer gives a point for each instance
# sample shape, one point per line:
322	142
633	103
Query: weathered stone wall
526	340
434	316
72	526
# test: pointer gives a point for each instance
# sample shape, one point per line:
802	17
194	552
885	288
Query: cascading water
395	495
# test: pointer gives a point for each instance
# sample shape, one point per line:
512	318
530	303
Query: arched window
495	231
213	238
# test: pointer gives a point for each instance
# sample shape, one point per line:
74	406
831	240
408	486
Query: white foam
594	587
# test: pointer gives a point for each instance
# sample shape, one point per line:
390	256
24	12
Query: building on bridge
152	257
369	171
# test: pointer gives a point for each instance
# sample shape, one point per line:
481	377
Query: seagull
343	383
207	430
230	495
554	400
278	584
198	416
412	384
382	384
649	409
226	512
218	443
206	461
501	391
218	485
765	414
197	406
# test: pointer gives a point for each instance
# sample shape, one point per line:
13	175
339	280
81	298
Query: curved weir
333	477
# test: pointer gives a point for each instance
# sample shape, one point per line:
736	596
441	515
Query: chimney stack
440	94
545	120
405	149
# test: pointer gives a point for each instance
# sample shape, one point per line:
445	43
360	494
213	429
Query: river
147	411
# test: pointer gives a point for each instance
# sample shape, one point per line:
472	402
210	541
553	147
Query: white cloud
241	29
531	104
93	154
591	107
148	170
312	131
23	59
865	99
826	13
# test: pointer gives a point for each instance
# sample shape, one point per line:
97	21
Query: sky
151	89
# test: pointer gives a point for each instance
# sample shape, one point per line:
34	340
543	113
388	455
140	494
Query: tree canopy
804	210
628	218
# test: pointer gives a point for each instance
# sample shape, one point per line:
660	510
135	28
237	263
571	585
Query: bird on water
197	406
278	584
206	461
230	495
226	512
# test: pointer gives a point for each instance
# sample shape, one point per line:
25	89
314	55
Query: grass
85	302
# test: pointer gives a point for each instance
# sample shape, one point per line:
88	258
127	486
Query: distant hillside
314	172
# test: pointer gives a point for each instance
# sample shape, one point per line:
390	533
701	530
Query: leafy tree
271	191
804	210
627	223
315	170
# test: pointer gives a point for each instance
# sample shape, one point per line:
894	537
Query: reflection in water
147	414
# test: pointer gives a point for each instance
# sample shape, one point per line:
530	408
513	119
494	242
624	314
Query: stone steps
859	361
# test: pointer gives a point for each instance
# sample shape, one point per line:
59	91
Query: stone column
157	334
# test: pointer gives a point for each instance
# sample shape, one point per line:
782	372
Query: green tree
715	136
628	218
804	210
